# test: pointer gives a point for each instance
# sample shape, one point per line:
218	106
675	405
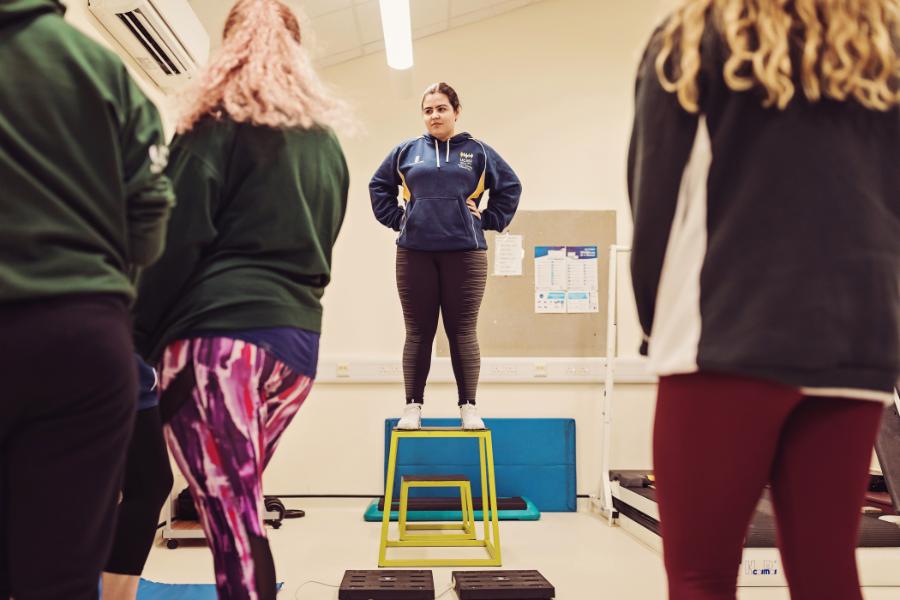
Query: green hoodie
249	243
83	196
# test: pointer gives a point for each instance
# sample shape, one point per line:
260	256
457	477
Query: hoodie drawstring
437	154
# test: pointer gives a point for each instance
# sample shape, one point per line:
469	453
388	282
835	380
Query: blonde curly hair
849	49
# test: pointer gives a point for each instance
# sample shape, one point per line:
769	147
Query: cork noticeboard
508	325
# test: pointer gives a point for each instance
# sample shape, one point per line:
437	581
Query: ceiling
346	29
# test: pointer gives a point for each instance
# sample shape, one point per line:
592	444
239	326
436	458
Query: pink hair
262	75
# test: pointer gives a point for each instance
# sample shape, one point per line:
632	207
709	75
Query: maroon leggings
718	440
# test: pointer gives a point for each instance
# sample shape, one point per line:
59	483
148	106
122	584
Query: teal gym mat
531	513
151	590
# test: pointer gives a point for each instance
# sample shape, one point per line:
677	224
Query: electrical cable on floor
308	581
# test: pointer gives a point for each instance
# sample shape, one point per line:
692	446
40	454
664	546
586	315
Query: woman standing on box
441	249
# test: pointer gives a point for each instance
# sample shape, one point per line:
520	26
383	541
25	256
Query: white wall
550	87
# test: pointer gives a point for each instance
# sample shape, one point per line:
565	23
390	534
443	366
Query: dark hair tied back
443	88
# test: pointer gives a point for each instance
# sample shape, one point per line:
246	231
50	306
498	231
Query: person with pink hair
232	311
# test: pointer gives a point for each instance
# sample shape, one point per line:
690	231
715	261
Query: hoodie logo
418	159
465	160
159	158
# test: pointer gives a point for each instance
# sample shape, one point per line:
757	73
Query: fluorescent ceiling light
397	33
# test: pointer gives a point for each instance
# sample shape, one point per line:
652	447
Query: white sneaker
470	419
412	417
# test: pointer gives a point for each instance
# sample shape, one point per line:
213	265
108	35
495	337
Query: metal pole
606	502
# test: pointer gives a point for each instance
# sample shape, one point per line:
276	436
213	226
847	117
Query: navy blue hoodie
436	179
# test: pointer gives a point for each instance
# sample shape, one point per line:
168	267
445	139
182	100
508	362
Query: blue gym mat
530	513
533	458
151	590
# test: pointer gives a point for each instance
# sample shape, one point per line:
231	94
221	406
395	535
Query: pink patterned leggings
222	438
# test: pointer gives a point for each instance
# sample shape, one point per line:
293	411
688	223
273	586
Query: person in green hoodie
232	311
84	201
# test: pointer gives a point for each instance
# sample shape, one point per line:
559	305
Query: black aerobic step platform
387	585
434	478
502	585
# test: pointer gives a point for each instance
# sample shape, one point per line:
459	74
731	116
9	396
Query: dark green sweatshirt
83	196
250	239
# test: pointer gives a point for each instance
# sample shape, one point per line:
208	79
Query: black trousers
148	481
452	284
67	401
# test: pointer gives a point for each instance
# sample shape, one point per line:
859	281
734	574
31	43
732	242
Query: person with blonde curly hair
232	311
764	181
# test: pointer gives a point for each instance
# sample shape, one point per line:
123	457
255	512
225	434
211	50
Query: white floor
577	552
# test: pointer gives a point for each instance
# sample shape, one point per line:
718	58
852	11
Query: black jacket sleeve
661	142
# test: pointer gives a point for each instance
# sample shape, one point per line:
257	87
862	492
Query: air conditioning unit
164	37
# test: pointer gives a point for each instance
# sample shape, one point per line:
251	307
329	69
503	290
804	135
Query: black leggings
451	283
148	480
67	397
